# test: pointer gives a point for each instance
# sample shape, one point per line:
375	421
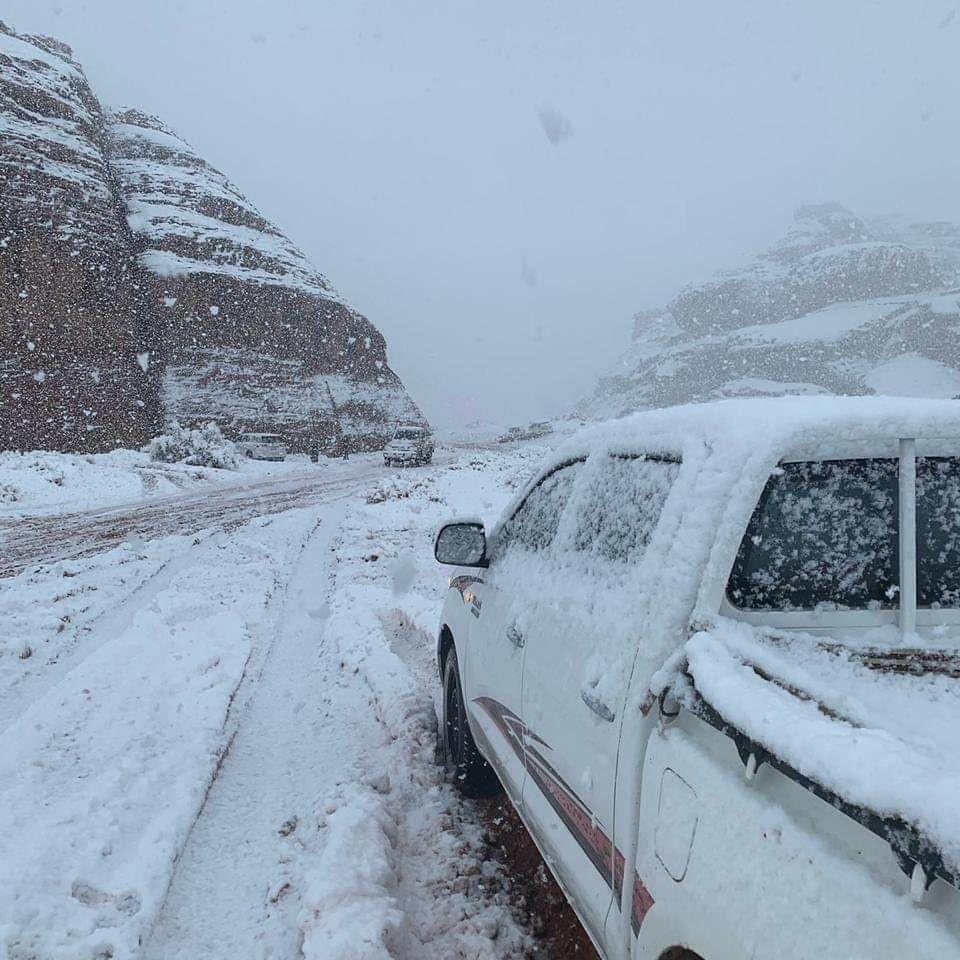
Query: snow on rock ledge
256	338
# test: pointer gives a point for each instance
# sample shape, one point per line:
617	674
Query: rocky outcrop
73	311
138	284
255	338
840	305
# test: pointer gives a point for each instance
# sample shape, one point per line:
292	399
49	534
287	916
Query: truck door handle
515	636
598	707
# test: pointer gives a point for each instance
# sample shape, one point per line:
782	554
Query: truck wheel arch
444	645
679	953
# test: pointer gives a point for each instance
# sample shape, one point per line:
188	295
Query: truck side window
823	536
534	524
621	507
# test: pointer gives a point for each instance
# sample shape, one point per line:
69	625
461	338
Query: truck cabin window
534	524
823	536
621	508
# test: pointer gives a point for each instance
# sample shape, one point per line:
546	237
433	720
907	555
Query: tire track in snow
224	900
399	868
103	628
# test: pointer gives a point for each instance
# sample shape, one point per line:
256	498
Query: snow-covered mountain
256	338
839	305
141	284
73	311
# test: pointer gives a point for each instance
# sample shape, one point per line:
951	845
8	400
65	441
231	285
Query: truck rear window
823	536
938	532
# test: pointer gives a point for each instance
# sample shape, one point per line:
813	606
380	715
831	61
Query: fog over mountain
403	147
838	305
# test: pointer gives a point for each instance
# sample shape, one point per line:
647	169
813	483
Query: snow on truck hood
870	720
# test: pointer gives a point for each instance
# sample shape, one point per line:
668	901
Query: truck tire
464	765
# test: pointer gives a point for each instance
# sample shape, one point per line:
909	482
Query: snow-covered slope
72	312
839	305
256	338
137	283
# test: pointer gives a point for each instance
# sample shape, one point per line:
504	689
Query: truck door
580	647
502	605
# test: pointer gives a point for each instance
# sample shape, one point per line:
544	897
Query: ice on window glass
535	524
824	536
938	532
620	509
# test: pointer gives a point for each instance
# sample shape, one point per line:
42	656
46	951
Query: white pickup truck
711	654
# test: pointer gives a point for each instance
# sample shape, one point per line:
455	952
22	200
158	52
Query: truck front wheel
462	760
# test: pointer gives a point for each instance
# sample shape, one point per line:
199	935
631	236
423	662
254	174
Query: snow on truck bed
870	720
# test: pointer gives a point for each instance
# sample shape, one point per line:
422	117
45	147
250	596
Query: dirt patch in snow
533	890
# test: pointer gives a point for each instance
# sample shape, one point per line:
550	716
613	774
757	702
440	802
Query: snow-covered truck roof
742	425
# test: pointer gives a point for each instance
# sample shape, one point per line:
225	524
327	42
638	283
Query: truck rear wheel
464	765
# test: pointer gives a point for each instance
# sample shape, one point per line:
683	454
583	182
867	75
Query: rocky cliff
839	305
255	337
73	311
140	285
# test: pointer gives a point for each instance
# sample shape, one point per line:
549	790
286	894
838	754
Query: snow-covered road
218	728
33	539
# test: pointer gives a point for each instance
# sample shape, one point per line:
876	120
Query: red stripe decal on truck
571	810
640	907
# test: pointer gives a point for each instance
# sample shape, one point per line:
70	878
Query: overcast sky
499	185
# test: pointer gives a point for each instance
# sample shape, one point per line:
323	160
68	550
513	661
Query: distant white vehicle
262	446
539	428
514	433
412	444
711	653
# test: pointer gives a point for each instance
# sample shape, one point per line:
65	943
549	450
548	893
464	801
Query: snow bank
350	910
47	481
102	776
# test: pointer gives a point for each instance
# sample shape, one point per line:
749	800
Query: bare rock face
74	312
840	305
254	337
137	284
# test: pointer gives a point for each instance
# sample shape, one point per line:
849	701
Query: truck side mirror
462	545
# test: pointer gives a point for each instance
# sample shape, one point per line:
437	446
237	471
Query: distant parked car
411	445
539	428
262	446
514	433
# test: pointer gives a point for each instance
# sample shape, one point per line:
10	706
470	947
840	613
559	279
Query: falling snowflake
555	125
